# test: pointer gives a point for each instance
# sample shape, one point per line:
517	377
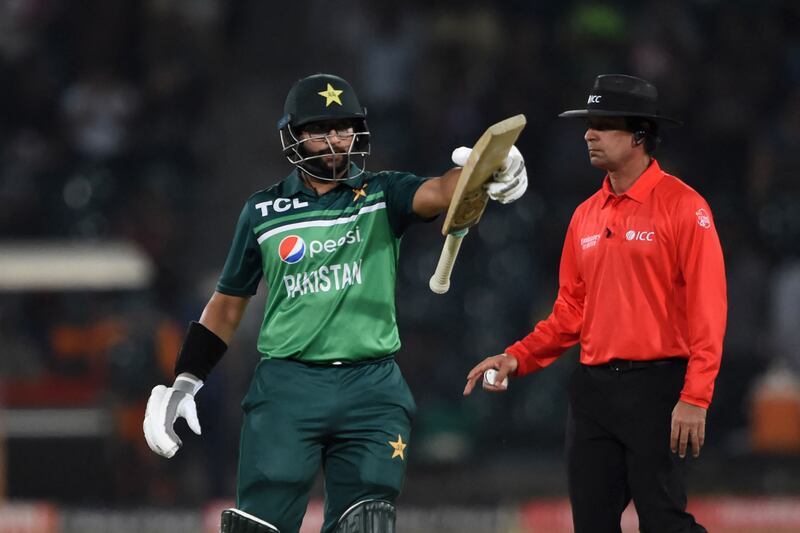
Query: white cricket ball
490	375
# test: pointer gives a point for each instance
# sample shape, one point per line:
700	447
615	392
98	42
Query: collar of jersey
293	184
641	188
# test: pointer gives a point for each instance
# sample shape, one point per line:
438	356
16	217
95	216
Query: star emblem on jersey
399	448
358	193
331	95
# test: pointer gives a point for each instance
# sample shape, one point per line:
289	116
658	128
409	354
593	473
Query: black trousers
618	449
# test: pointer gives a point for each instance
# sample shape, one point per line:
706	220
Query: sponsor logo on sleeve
702	218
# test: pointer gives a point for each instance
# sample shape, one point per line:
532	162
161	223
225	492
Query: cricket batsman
327	391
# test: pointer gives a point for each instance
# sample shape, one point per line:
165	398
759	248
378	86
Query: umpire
642	289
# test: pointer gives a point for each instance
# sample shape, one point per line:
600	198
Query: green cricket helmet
320	104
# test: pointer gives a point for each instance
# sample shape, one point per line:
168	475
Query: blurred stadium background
133	130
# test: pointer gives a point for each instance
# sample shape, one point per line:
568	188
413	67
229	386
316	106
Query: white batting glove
164	407
509	183
460	155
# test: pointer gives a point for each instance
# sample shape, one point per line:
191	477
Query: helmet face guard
313	164
330	99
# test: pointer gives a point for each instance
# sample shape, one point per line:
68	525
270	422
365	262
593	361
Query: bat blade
488	154
469	198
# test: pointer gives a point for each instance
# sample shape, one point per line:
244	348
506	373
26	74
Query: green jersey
329	262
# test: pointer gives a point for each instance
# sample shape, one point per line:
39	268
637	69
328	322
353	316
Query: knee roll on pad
236	521
370	516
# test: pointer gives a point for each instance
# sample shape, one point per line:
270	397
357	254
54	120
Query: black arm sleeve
201	350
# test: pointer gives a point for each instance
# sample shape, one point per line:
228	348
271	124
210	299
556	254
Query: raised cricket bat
469	199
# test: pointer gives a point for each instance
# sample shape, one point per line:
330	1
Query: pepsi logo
292	249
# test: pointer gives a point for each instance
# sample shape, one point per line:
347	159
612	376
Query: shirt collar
292	184
640	189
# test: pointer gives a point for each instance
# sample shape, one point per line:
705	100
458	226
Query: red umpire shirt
641	277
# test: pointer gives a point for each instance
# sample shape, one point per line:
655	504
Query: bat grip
440	281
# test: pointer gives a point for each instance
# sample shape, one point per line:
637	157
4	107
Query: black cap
320	97
618	95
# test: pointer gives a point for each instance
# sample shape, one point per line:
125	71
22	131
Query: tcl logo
640	235
279	205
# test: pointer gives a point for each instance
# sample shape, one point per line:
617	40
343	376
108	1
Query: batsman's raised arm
507	185
434	195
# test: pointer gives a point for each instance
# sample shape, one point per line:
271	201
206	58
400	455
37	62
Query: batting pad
236	521
371	516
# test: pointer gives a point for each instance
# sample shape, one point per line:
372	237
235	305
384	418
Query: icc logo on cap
292	249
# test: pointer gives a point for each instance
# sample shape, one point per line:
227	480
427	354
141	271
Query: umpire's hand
504	364
688	424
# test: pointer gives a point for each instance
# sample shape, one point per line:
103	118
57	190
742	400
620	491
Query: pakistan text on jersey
326	278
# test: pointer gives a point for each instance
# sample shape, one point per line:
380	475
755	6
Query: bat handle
440	281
